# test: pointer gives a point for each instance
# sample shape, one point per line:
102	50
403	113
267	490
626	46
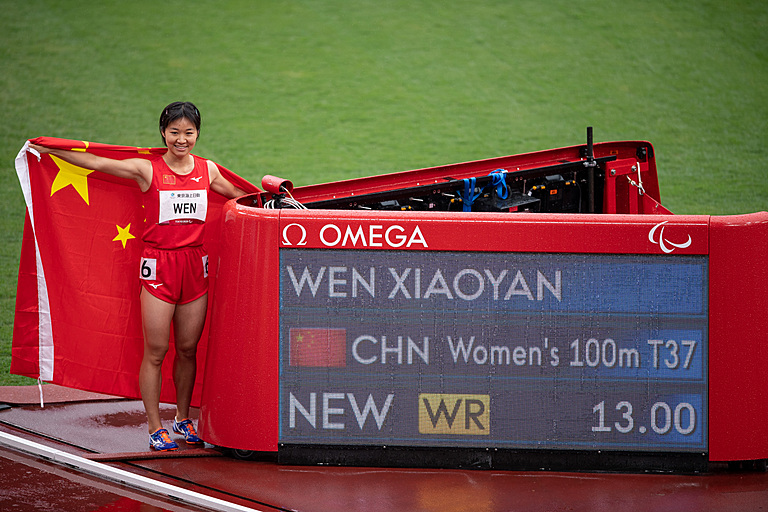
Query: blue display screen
504	350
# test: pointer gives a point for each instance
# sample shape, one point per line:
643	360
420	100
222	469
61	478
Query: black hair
179	110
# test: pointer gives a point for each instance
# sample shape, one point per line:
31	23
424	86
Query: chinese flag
78	318
320	347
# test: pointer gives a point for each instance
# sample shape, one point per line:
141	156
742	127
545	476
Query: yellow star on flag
71	175
123	234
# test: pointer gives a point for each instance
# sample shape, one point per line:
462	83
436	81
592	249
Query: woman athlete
174	265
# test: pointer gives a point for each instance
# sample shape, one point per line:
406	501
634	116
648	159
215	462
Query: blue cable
498	181
469	197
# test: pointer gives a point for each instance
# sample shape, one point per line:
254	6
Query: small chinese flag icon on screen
318	346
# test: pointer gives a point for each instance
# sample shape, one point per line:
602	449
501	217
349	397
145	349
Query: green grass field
320	90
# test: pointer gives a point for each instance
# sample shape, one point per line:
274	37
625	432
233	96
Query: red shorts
177	276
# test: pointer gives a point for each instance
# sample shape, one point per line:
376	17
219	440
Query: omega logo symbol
302	240
662	242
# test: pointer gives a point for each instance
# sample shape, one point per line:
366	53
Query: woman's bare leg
156	320
188	323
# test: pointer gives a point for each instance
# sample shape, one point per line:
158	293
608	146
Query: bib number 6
149	269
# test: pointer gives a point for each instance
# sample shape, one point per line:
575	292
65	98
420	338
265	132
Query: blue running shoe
187	429
161	441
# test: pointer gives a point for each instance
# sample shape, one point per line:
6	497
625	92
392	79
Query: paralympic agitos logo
660	240
356	236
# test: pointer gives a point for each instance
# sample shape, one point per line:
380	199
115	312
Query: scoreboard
494	349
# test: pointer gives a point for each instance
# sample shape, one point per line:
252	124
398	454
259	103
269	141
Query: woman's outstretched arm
136	169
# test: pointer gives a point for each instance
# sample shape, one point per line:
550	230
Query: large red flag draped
78	318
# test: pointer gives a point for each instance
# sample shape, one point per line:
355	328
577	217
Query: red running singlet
176	206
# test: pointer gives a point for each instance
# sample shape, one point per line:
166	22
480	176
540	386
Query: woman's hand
40	149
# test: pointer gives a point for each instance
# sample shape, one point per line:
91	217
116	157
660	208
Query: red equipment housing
577	224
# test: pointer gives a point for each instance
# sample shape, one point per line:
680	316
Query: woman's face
180	137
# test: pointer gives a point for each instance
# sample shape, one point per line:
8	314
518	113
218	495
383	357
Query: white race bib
183	205
148	269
